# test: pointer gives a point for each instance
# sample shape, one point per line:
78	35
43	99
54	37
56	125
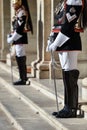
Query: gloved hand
52	47
58	42
50	41
9	38
13	37
48	45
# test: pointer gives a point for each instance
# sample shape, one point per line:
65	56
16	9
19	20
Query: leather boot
21	61
70	94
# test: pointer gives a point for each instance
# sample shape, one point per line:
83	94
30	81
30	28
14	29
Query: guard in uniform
68	43
21	25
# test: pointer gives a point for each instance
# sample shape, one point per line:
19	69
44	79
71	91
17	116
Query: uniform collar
74	2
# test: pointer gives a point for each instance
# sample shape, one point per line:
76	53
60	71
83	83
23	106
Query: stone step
46	86
43	105
12	120
21	116
36	104
5	124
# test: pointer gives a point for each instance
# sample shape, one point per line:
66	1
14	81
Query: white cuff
59	41
16	36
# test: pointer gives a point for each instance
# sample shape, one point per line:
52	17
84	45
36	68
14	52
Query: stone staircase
30	107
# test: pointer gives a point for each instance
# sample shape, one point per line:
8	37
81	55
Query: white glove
52	47
49	41
9	39
48	45
14	37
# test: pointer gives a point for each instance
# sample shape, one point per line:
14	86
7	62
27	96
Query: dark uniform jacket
72	13
19	25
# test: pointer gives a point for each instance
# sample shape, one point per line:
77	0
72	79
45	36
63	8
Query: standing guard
65	38
21	25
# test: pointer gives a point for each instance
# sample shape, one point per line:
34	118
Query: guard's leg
21	62
70	77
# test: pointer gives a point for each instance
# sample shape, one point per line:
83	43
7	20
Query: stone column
41	65
57	70
4	26
83	65
42	68
10	57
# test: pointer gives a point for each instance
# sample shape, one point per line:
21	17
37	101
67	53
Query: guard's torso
72	13
19	25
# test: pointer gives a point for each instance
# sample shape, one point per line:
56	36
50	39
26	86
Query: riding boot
21	62
70	94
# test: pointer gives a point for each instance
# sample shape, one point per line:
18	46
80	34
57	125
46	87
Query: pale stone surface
25	114
84	89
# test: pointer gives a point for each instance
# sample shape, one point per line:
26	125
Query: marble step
42	104
21	115
5	123
46	86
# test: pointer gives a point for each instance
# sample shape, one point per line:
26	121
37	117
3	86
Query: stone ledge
84	108
84	89
84	82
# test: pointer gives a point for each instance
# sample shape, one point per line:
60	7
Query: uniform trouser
68	61
21	61
20	50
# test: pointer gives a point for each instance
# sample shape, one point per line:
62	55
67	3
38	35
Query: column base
84	89
34	68
42	71
55	71
10	60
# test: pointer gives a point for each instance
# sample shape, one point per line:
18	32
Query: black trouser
21	61
71	88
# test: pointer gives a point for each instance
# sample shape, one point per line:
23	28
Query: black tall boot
21	61
70	94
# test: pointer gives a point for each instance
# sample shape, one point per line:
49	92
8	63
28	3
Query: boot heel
74	113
